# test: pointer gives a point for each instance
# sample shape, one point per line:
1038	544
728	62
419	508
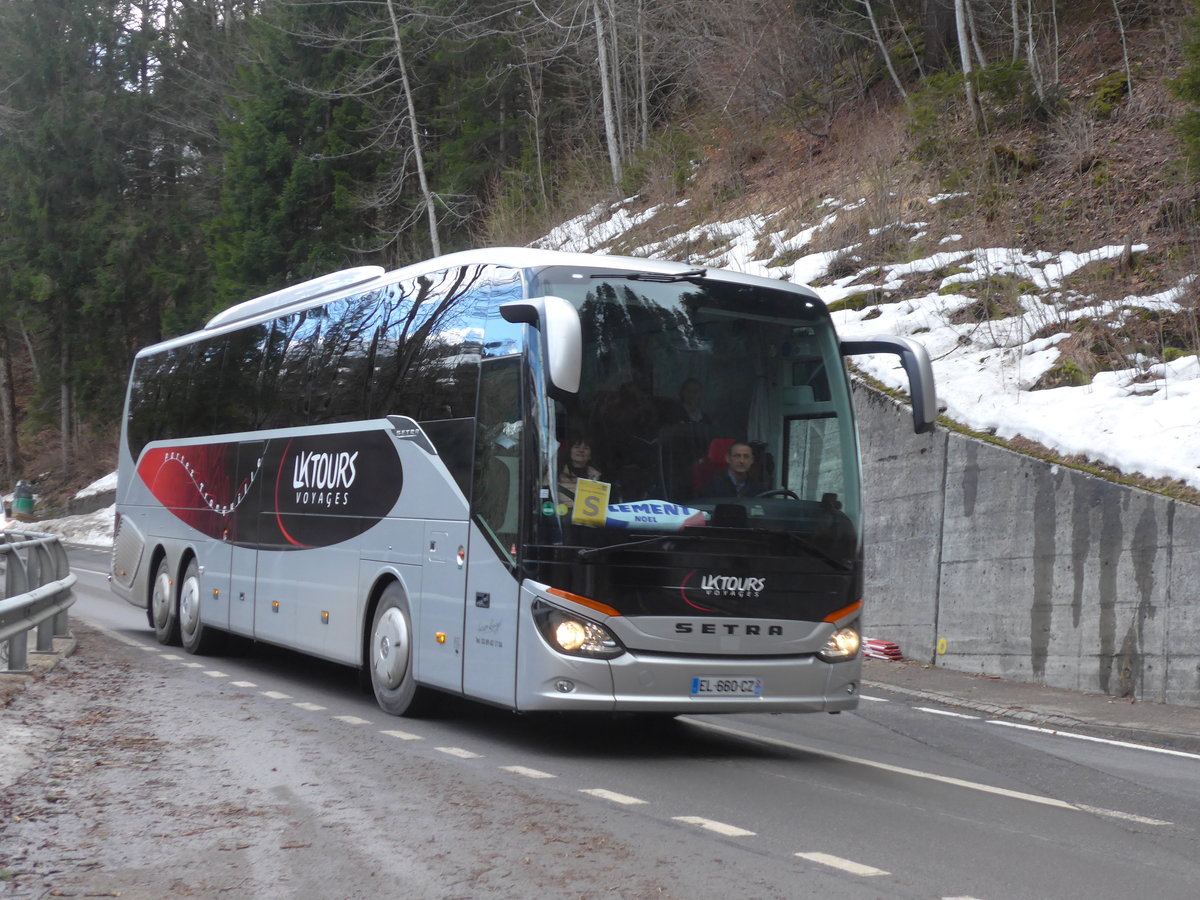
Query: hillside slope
1048	266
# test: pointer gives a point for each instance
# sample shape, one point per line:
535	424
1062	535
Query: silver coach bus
545	481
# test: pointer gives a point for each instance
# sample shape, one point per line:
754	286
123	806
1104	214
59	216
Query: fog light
564	686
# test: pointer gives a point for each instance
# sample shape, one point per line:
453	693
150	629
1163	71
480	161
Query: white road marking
623	799
459	752
311	707
874	699
171	656
193	665
1123	816
845	865
527	772
946	712
403	735
144	647
277	695
1096	740
916	773
243	684
213	673
718	827
353	720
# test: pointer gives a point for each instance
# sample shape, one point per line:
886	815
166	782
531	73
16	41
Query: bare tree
869	12
964	55
435	243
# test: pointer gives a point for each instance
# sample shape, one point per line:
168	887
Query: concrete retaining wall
980	559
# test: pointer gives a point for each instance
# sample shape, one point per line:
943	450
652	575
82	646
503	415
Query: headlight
574	635
843	644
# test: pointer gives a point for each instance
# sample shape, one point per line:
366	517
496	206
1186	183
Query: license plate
724	686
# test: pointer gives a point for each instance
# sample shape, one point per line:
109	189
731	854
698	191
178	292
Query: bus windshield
706	407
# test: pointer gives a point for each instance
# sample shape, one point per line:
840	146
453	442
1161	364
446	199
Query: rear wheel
164	611
390	656
197	637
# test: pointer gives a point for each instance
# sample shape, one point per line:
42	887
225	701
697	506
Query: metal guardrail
37	592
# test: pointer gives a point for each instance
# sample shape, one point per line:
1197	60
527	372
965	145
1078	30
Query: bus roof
323	289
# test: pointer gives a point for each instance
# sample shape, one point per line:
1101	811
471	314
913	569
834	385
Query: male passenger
735	481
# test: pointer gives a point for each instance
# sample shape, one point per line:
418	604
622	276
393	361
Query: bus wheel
390	655
163	609
197	637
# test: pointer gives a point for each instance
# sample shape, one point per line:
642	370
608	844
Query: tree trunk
64	403
939	34
419	158
8	411
610	122
883	50
964	55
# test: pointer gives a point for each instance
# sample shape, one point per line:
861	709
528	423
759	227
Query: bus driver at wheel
735	481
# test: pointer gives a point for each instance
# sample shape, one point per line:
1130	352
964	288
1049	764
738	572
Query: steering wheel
780	492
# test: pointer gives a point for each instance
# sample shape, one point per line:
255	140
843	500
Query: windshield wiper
662	278
811	546
650	542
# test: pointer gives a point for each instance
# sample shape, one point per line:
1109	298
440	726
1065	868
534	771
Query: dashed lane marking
403	735
874	699
612	796
459	752
844	865
311	707
187	665
527	772
277	695
710	825
213	673
243	684
175	656
352	720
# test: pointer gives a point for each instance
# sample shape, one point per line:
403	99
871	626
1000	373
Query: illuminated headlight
842	644
574	635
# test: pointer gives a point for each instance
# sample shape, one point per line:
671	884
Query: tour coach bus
546	481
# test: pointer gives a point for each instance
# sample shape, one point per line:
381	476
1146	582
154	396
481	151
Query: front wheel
390	656
164	611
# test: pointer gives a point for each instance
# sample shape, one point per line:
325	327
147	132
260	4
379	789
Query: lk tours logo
324	479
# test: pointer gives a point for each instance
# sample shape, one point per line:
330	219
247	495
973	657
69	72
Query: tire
197	638
390	656
164	606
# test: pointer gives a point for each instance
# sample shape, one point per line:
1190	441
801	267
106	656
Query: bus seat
713	464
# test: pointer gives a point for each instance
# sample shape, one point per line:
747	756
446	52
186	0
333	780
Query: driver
736	480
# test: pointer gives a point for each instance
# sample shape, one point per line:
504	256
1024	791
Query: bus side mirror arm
557	321
916	364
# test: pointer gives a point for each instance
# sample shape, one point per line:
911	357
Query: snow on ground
92	529
1143	419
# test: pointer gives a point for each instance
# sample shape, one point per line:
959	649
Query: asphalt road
263	773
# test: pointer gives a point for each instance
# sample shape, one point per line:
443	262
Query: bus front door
439	638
